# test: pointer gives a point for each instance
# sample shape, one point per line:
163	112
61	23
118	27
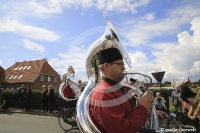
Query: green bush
35	99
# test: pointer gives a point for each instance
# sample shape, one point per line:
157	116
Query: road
26	123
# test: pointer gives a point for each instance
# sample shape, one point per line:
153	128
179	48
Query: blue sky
159	35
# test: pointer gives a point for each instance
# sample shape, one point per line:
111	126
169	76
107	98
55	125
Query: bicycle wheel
63	119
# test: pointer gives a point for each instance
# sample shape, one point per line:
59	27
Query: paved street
24	123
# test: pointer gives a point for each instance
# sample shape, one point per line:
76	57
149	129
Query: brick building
34	73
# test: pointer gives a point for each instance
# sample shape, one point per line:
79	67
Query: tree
198	82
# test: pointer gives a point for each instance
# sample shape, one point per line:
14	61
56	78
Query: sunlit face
131	82
177	88
158	95
69	82
188	83
116	70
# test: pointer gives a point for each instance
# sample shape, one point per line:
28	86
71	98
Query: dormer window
28	67
11	77
15	77
20	77
24	67
16	68
20	68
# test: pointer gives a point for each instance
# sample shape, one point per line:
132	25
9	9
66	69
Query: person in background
50	96
80	85
142	86
175	99
187	94
27	97
109	105
1	94
44	99
3	106
22	91
159	102
132	81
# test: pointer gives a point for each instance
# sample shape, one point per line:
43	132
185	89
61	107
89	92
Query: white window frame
49	78
41	77
55	79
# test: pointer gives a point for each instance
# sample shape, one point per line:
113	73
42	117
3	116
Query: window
11	77
55	79
28	67
41	77
25	67
15	77
21	68
16	68
49	78
20	76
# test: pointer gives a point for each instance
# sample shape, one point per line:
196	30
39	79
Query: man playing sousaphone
110	109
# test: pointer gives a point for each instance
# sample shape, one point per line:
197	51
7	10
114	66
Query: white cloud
75	57
142	30
13	26
56	6
121	5
183	58
149	16
0	62
33	46
195	68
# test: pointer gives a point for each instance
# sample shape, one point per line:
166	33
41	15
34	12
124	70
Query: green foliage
35	99
198	82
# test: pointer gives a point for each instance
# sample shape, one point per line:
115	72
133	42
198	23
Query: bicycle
67	116
181	123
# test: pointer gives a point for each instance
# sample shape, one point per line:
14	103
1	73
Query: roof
28	71
2	74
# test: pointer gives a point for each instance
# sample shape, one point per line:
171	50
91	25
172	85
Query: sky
159	35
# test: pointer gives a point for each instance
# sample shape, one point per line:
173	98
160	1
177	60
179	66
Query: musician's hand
146	100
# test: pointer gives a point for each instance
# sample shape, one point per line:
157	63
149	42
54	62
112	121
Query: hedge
36	98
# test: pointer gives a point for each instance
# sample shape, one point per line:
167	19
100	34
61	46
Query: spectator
132	81
22	91
50	95
187	94
44	99
159	102
175	99
1	94
142	86
3	106
80	85
28	97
